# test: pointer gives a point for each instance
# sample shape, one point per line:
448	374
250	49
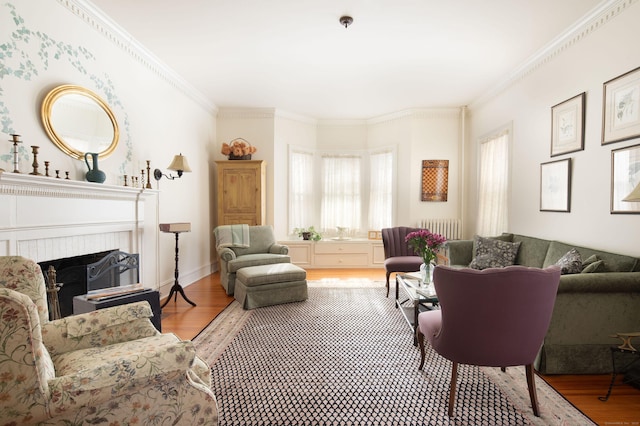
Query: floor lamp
176	228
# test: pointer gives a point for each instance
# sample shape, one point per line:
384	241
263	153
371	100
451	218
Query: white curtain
301	195
341	192
381	190
493	190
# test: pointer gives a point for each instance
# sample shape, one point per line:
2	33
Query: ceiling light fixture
346	20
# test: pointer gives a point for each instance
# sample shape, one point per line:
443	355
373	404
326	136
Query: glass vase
426	269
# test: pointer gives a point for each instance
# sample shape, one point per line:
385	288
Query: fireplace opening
71	272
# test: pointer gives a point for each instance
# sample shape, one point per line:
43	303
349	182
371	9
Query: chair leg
420	337
531	384
452	388
388	274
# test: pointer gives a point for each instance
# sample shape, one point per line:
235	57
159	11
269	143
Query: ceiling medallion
346	20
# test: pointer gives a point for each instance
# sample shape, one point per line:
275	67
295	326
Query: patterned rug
346	357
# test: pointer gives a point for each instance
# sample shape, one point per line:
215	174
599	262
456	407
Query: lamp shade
179	164
634	195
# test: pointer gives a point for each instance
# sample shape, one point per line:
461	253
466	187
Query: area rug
346	357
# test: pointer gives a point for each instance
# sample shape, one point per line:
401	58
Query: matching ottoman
266	285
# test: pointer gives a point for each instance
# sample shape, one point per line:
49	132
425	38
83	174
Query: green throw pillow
597	266
589	260
570	263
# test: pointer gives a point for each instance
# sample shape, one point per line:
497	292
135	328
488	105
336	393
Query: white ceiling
295	56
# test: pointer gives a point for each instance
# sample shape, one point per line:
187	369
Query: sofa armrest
99	328
227	254
460	252
279	249
130	373
600	282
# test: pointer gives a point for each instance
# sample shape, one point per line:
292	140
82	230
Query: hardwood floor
622	408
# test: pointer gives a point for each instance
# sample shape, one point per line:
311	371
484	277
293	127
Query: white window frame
314	210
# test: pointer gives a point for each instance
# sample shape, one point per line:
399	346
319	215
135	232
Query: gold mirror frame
47	107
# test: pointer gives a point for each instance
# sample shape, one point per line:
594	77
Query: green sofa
589	308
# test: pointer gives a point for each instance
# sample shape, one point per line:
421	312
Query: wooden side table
176	228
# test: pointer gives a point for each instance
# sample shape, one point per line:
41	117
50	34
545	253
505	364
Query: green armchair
109	366
261	249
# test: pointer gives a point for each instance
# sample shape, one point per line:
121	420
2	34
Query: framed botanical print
555	186
567	125
625	179
621	109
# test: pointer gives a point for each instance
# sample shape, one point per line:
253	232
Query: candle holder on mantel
148	174
16	140
35	164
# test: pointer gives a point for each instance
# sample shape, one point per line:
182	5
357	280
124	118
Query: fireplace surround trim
44	218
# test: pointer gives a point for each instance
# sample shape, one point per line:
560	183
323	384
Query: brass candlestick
125	180
148	174
57	174
67	174
142	178
16	140
46	168
52	294
35	164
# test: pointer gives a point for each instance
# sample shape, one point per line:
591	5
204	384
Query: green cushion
596	266
532	251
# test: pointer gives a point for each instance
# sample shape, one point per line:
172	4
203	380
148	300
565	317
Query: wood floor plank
622	408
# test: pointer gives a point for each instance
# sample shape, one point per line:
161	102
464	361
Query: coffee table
420	297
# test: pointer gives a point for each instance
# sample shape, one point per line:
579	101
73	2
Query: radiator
451	229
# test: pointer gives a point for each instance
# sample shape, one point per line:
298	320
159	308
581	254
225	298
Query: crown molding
417	113
594	20
117	35
296	117
246	113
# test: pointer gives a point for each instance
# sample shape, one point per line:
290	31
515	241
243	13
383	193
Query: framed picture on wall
625	179
555	186
567	125
621	109
435	180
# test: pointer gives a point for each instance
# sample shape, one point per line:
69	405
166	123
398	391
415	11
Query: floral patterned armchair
109	366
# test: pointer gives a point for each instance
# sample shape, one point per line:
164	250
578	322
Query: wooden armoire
241	192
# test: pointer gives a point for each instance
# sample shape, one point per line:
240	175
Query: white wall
418	135
607	50
157	120
290	130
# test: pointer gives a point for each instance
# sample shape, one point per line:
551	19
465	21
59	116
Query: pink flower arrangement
425	243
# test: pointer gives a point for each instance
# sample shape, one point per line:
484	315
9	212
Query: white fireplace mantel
46	218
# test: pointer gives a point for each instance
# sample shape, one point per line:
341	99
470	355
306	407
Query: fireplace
71	272
43	218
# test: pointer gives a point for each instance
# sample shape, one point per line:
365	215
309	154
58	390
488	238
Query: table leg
177	288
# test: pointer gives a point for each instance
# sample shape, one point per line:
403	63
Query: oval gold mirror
79	121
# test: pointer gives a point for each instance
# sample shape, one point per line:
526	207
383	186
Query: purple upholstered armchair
398	255
495	317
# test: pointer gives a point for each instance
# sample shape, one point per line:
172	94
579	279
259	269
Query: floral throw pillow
570	263
491	253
